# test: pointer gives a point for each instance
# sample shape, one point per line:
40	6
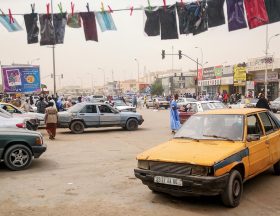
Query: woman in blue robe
174	115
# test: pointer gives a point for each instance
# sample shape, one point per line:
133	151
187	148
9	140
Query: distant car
199	106
97	98
245	103
122	106
214	153
95	115
157	103
184	101
275	105
36	118
19	146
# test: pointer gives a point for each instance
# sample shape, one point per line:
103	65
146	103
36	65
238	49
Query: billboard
239	77
21	79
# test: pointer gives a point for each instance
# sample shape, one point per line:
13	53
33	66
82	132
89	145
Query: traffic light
180	54
163	54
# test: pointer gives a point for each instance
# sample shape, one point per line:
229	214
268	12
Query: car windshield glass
5	113
213	127
212	106
191	99
76	108
119	103
160	99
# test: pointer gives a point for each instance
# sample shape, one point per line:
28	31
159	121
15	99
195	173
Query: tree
156	88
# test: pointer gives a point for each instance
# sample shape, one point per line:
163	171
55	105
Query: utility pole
53	52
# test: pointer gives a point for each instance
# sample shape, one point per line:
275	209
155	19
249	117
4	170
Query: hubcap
19	157
236	188
132	124
78	127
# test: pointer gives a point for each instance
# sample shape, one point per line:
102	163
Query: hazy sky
116	50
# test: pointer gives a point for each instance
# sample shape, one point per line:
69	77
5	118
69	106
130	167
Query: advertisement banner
208	73
21	79
218	70
256	64
199	74
228	70
239	77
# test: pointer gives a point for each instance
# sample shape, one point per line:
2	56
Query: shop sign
256	64
227	80
250	85
218	70
239	77
208	73
227	70
212	82
271	77
199	74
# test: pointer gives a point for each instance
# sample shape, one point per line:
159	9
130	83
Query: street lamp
266	54
138	67
202	65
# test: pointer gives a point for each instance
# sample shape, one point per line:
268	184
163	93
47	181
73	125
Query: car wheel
147	106
233	191
132	124
274	111
77	127
18	157
30	126
166	107
276	168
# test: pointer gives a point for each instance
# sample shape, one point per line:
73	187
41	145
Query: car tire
232	194
274	111
18	157
30	126
77	127
132	124
276	168
147	106
166	107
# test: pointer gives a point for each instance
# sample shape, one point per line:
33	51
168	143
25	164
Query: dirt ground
92	174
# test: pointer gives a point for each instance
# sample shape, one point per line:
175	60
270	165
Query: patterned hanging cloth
273	10
89	23
256	13
168	23
59	22
32	29
105	21
152	23
215	12
10	24
236	16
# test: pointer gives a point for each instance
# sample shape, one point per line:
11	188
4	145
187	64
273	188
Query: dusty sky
116	50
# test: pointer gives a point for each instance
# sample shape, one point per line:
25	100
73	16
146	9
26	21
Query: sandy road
92	174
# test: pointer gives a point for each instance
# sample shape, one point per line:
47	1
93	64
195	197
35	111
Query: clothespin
48	9
164	4
131	10
87	7
11	17
149	5
110	9
102	7
60	8
33	7
72	8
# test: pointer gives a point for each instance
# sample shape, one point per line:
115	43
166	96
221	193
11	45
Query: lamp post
137	68
266	56
202	65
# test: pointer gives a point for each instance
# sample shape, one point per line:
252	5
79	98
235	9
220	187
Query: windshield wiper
219	137
184	137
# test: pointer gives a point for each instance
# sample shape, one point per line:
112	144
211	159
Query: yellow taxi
214	153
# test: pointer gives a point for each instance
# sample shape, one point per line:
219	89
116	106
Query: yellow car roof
241	111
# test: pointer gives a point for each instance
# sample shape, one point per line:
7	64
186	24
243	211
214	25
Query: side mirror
253	137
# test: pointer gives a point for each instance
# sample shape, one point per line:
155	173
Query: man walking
263	102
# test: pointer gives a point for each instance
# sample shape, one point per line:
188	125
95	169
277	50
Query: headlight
143	164
200	171
39	141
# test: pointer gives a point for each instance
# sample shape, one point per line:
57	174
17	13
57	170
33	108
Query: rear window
212	106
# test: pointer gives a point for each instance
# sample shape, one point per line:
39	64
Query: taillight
20	125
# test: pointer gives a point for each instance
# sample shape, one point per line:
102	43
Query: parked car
97	98
10	122
184	101
122	106
275	105
19	146
245	103
213	154
157	103
200	106
87	115
37	119
22	120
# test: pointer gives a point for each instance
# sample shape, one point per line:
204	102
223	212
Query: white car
122	106
245	103
10	122
184	101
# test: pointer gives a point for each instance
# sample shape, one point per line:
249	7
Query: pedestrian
26	106
51	118
262	102
174	115
134	101
41	105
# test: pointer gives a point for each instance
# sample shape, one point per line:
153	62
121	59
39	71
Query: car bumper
140	121
39	150
192	185
63	125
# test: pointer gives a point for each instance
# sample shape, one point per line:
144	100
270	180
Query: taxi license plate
168	180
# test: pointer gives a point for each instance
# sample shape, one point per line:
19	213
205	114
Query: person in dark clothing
263	102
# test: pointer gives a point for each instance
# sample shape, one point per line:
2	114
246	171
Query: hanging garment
89	23
105	21
74	21
59	22
215	12
256	13
273	10
236	17
152	23
32	29
11	27
46	30
192	17
168	23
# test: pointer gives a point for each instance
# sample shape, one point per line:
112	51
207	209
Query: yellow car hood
204	152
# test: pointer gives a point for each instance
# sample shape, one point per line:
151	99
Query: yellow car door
259	156
272	133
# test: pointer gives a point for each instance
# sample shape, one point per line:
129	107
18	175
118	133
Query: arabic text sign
21	79
239	77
